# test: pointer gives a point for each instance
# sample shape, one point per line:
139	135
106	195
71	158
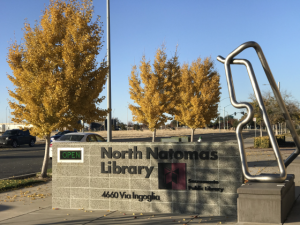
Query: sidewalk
33	205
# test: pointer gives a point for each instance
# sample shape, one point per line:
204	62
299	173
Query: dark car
17	137
59	134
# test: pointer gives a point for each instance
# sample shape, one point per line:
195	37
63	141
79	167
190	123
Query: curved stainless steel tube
229	60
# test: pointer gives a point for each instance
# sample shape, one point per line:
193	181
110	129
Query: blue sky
199	28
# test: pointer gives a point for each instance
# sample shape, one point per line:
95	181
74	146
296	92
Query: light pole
224	115
6	116
219	116
227	120
127	118
109	133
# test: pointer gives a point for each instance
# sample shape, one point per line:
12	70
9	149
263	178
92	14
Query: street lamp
109	133
219	116
227	120
224	115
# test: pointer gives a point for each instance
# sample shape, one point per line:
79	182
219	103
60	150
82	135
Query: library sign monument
199	178
147	177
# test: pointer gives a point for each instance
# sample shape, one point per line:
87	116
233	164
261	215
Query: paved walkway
33	205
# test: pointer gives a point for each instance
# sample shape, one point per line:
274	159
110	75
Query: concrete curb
21	176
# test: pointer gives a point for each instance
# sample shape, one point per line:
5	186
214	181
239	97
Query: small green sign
70	155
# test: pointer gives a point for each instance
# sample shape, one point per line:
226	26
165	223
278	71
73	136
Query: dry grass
121	134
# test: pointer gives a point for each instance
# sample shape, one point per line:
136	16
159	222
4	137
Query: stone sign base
147	177
294	168
265	203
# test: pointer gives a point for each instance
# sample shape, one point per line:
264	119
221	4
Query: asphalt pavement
21	160
28	160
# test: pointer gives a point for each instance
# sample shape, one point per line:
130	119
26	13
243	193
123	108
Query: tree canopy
154	90
274	113
199	94
55	75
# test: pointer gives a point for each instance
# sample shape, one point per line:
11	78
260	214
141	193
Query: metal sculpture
281	164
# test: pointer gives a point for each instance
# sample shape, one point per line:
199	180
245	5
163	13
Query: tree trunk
153	137
46	157
192	135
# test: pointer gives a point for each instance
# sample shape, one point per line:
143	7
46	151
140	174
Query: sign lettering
70	155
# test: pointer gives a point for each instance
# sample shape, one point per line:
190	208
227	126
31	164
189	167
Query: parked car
59	134
78	137
17	137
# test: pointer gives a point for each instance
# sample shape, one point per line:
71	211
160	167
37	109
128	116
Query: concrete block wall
82	185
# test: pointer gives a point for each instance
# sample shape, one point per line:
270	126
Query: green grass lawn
6	185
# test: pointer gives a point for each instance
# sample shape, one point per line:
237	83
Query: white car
78	137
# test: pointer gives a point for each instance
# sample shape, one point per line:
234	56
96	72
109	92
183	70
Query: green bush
257	142
298	131
264	142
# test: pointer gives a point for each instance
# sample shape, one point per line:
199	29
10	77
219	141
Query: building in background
102	125
9	126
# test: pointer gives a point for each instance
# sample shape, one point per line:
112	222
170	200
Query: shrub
264	142
257	142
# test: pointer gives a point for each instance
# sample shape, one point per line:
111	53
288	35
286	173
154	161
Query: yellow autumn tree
152	90
199	94
55	75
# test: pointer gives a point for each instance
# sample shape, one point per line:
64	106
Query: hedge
264	142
